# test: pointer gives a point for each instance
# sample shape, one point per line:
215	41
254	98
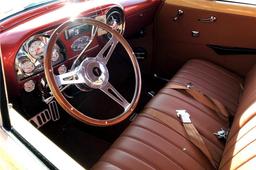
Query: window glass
10	8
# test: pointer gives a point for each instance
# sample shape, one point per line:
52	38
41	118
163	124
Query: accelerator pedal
54	111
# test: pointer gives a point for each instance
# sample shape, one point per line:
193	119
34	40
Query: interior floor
86	143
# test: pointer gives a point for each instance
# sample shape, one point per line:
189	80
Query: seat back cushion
213	81
240	150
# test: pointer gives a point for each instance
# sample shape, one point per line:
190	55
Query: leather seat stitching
186	137
232	101
153	119
235	132
234	155
229	146
231	106
196	107
134	155
107	162
204	137
168	141
248	160
153	148
206	90
207	69
217	68
250	100
220	83
223	98
179	79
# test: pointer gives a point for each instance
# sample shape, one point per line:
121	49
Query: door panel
234	30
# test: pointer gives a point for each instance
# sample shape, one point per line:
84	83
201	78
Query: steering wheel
92	72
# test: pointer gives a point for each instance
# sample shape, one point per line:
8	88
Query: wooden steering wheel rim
50	77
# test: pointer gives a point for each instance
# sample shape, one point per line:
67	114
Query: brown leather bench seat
150	144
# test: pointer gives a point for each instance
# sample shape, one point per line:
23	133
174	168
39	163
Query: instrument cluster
29	59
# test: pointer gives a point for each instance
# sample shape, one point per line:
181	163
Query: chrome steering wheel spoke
72	77
107	51
111	92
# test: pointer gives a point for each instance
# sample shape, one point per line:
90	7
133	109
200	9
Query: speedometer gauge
80	43
36	49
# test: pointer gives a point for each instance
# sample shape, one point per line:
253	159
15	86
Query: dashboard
29	59
24	38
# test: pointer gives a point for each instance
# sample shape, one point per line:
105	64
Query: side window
250	2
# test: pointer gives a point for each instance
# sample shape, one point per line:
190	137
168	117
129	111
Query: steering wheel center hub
95	73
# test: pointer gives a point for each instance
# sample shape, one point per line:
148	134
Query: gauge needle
37	50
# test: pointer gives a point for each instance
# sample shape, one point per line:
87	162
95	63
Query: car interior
137	84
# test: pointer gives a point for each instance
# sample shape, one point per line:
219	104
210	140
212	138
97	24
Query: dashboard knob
29	86
62	69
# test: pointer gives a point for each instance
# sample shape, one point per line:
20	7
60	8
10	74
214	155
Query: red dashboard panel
16	30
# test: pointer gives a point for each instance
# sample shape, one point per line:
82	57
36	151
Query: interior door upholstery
233	32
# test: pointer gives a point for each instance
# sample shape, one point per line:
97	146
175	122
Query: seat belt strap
190	129
206	100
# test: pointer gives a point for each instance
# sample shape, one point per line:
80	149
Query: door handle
178	15
209	20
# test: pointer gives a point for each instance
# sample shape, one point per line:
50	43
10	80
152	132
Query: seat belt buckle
222	134
189	85
184	116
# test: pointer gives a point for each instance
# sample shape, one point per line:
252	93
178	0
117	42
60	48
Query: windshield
10	8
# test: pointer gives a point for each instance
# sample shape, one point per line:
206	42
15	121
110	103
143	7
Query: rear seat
149	144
